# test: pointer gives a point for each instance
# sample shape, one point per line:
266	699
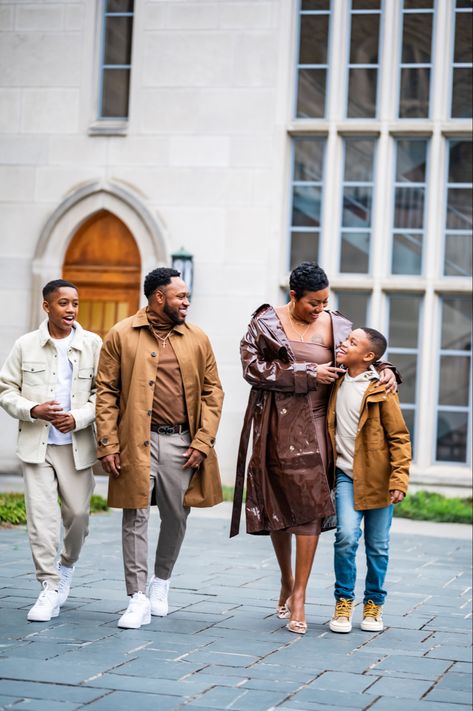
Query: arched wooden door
104	262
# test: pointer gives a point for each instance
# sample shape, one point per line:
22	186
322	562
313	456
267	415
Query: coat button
149	413
146	443
153	354
150	382
104	440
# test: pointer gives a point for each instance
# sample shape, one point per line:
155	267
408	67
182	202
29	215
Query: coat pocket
33	373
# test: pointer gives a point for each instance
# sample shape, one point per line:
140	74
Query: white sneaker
65	578
46	606
138	613
341	620
158	596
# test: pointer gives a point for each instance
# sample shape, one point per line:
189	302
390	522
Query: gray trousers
170	482
44	483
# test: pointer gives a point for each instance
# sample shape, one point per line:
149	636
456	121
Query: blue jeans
377	525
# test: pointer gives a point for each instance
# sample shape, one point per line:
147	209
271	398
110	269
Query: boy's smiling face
356	351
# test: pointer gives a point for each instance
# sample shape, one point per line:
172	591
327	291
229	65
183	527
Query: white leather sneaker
341	620
137	613
46	606
372	617
158	596
65	578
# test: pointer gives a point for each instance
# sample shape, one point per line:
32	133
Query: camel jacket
28	378
126	381
382	454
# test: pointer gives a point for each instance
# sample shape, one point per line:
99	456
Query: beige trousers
169	482
44	483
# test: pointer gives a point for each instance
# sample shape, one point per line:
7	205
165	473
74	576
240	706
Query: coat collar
77	340
140	320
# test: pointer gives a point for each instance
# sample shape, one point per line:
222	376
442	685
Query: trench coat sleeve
277	374
211	405
399	445
11	398
108	396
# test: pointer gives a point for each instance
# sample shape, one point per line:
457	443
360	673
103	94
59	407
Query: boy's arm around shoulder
11	398
399	443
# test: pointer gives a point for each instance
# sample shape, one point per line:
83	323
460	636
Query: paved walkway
222	647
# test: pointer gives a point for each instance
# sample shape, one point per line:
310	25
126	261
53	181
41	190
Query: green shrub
13	512
428	506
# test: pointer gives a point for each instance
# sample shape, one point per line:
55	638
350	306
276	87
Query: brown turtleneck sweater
169	407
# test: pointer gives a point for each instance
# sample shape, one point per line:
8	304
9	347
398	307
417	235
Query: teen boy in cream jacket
48	384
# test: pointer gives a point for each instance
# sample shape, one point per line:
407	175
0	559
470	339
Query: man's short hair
159	277
377	341
307	276
55	285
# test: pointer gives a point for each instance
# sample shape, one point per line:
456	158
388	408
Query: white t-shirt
349	398
63	386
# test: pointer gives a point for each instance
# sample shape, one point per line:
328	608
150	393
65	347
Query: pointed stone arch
78	207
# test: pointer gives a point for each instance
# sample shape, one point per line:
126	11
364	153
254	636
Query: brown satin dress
314	353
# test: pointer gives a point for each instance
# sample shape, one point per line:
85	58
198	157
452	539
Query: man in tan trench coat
159	401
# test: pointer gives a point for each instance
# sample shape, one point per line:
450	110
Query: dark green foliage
13	513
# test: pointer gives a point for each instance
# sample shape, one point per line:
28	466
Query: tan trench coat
125	385
382	447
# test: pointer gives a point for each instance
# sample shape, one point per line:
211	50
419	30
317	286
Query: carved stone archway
146	228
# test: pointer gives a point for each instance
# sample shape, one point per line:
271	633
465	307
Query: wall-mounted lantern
183	261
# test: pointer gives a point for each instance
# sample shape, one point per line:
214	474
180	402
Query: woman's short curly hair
307	276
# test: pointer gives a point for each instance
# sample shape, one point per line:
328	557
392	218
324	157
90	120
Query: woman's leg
305	552
282	544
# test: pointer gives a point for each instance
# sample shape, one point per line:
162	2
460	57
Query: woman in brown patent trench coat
288	486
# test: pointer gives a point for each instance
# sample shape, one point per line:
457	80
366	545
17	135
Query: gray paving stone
125	701
341	700
415	667
240	699
451	696
457	654
390	704
36	705
400	688
329	681
52	692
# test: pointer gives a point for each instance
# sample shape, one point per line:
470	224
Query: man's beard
173	315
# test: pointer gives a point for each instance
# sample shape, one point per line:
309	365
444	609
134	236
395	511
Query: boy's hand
327	373
47	411
388	379
396	496
64	422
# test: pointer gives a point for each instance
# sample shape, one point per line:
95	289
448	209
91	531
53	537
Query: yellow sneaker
372	617
341	620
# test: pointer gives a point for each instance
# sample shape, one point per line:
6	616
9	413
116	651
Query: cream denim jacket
28	378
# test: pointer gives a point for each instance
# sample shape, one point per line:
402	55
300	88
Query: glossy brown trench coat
125	385
287	484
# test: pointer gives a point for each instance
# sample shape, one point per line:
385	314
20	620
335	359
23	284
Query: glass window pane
406	363
306	206
452	430
314	39
120	5
118	40
462	92
407	254
454	380
366	4
359	160
415	85
404	321
417	38
459	209
115	93
364	39
354	305
357	206
409	208
362	93
463	39
456	323
458	257
304	247
308	159
311	93
418	4
460	162
315	5
411	159
355	253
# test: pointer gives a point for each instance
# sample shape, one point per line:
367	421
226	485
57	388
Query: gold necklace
163	339
301	335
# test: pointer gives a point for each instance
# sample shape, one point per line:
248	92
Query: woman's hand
388	379
327	373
